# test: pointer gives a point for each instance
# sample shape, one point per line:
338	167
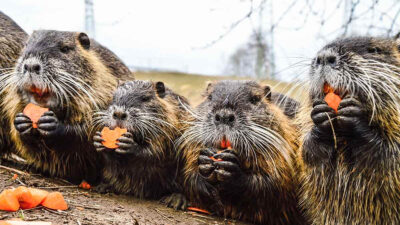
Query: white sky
167	33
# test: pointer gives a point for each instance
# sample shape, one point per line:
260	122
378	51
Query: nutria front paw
23	124
48	124
206	164
103	188
97	142
176	201
227	167
126	144
323	115
351	114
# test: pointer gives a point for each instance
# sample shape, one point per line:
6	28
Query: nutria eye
374	50
145	99
65	49
255	99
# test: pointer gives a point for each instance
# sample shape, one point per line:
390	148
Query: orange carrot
37	197
85	185
15	177
8	201
194	209
24	197
55	201
110	136
332	99
225	143
34	112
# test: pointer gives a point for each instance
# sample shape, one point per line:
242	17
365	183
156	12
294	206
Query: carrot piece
37	197
34	112
8	201
333	100
55	201
328	89
15	177
110	136
24	197
2	222
225	143
194	209
85	185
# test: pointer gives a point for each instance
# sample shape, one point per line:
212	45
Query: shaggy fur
350	160
255	179
75	76
12	40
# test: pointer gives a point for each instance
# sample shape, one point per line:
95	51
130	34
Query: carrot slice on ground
24	197
333	100
4	222
194	209
110	136
8	201
55	201
34	112
85	185
37	197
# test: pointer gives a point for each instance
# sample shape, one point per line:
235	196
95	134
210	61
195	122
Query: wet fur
266	193
154	119
81	81
359	181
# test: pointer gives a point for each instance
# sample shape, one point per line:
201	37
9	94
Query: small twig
333	130
14	170
19	181
160	213
55	212
4	217
57	187
86	206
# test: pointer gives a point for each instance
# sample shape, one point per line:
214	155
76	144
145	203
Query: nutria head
53	70
363	67
242	113
141	108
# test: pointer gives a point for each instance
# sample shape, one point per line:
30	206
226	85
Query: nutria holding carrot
144	164
238	150
12	40
70	76
350	156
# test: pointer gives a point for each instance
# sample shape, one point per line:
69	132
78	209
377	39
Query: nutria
254	179
12	40
72	76
350	158
144	164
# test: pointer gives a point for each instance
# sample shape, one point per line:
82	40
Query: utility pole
89	19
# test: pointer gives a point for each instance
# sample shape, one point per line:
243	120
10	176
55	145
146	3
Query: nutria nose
33	68
224	118
120	115
327	59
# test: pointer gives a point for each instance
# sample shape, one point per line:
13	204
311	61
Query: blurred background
186	42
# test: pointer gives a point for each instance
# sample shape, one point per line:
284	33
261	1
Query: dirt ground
87	207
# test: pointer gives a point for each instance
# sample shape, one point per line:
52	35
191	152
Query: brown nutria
350	158
145	163
12	40
254	180
72	76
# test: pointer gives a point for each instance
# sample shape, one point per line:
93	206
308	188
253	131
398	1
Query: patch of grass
192	86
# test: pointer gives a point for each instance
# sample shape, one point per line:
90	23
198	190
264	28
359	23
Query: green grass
192	86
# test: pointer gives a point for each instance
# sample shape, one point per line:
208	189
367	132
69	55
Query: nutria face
364	67
136	106
52	71
238	111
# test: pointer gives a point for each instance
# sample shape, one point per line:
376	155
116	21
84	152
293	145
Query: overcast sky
169	33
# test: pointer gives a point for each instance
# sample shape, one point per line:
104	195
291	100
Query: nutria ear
84	40
267	92
209	86
160	88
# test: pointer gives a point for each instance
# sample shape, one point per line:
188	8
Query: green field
192	86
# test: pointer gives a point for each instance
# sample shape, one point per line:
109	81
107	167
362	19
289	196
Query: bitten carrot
8	201
110	136
55	201
34	112
194	209
332	99
15	177
24	197
225	144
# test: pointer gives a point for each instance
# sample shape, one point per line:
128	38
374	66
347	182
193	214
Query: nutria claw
228	168
322	115
206	166
176	201
350	113
97	142
126	144
48	124
23	124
